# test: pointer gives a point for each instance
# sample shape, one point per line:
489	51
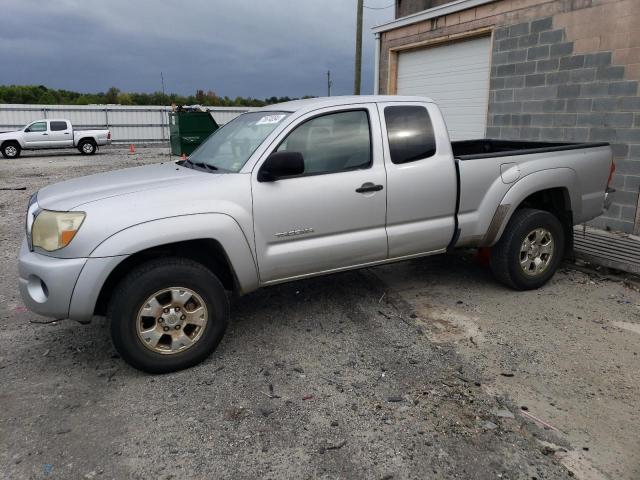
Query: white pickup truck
52	133
295	190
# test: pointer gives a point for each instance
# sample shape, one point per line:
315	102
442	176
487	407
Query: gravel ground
426	369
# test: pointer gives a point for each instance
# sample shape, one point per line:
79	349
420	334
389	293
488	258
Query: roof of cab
320	102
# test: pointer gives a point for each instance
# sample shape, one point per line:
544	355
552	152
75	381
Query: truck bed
487	147
503	172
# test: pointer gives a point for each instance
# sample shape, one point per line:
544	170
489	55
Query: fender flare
112	251
17	140
216	226
82	139
563	177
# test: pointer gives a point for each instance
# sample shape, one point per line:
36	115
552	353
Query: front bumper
46	283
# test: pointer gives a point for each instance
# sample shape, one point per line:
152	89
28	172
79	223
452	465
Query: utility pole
329	83
358	69
162	80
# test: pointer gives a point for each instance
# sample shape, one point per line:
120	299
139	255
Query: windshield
230	147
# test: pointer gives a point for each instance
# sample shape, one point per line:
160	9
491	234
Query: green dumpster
188	129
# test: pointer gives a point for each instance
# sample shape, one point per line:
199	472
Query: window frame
324	114
66	125
388	140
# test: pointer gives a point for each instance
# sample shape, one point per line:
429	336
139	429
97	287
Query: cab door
60	134
36	135
332	216
421	179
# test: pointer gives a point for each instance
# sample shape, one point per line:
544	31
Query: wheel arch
205	251
11	141
555	191
85	139
215	240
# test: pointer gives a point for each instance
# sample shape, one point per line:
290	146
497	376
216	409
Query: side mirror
281	164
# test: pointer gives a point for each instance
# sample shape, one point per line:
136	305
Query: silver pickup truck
52	134
291	191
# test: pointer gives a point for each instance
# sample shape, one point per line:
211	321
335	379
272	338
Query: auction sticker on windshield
269	119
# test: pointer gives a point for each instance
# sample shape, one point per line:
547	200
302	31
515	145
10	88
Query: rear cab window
57	126
410	133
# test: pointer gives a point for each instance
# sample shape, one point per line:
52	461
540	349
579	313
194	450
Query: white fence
127	123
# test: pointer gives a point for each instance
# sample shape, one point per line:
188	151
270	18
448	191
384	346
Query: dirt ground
425	369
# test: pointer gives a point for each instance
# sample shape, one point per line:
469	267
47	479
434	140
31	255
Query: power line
379	8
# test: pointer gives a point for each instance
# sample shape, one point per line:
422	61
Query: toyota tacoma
295	190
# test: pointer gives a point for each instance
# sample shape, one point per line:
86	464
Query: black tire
141	283
87	147
506	254
11	150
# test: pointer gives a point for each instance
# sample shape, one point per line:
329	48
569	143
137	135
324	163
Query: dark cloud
240	47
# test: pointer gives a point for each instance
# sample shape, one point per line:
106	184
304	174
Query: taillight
611	172
109	135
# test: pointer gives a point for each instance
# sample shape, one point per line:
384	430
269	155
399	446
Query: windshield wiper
201	165
204	165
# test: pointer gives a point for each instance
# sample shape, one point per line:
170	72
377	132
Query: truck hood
122	199
7	134
79	191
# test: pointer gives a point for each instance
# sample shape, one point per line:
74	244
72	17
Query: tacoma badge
291	233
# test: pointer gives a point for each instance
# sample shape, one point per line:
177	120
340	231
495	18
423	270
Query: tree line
39	94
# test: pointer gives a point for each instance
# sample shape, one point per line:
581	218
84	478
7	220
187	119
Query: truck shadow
457	270
317	306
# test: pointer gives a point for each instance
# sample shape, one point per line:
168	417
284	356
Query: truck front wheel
87	147
167	315
11	150
529	251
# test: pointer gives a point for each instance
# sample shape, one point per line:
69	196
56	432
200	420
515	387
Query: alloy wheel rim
536	252
172	320
11	151
87	147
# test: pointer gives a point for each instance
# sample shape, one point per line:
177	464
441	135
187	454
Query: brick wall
566	70
542	89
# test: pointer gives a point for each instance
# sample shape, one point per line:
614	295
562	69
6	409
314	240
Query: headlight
55	230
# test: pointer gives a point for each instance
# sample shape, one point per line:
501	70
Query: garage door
456	76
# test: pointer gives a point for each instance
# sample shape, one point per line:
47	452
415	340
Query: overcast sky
255	48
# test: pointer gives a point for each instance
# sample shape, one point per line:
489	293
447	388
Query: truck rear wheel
167	315
87	147
11	150
529	251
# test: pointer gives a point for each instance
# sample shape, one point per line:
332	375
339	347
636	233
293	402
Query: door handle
369	187
45	134
66	133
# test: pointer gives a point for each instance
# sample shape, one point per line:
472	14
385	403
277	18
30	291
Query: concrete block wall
541	88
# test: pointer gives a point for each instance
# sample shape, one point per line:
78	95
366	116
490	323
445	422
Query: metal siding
127	123
614	250
456	77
